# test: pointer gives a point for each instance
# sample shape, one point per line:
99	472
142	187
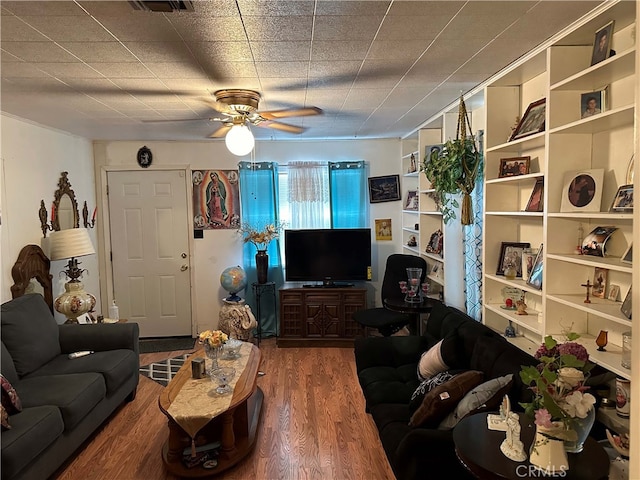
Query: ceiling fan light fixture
240	140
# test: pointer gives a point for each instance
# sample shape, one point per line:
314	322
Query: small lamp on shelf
70	244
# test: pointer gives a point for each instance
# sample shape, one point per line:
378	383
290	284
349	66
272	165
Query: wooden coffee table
235	428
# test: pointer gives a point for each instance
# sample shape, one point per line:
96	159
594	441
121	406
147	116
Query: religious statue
512	447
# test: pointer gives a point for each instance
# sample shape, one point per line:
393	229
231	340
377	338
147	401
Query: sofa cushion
427	385
388	384
29	332
75	394
33	430
443	399
4	418
7	366
10	399
484	397
115	365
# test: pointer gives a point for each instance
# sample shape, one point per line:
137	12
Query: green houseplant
454	170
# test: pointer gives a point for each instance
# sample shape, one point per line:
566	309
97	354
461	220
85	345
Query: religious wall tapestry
216	199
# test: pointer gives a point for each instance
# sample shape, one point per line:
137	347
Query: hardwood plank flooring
313	426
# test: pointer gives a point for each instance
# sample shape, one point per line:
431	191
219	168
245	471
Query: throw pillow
429	384
4	418
10	400
431	362
443	399
484	397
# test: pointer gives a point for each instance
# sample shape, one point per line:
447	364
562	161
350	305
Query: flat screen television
334	257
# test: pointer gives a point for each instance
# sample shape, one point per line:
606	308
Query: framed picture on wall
384	189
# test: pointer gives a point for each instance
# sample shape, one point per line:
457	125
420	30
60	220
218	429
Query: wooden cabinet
320	316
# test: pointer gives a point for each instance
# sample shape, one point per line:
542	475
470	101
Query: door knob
184	267
183	255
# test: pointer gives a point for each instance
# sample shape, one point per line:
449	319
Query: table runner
194	407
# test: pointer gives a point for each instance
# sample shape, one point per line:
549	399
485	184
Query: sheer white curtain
308	185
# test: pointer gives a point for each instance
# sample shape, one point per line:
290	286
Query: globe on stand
233	280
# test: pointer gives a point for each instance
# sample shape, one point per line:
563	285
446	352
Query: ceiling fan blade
221	132
168	120
219	106
294	112
281	126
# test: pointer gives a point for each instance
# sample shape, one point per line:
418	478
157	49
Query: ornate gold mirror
64	214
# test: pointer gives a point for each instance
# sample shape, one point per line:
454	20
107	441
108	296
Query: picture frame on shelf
412	200
511	167
626	304
602	42
623	201
593	103
535	278
629	175
528	259
627	257
582	190
435	243
614	292
383	229
532	122
536	200
384	189
595	243
435	270
511	254
599	282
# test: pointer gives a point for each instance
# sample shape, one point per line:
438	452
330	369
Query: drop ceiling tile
412	28
411	8
194	28
37	52
229	71
135	85
21	7
360	28
294	28
69	70
108	8
162	51
201	85
175	70
122	70
141	28
93	52
16	30
283	51
268	8
64	28
339	50
397	49
21	69
281	69
353	8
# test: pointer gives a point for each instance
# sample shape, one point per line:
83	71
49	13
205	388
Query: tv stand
320	316
328	285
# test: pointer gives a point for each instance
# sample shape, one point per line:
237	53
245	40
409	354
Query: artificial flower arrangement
260	238
213	338
558	386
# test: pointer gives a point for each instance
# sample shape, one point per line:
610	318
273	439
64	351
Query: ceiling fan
240	107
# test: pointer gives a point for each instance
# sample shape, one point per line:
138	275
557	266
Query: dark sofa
387	372
63	400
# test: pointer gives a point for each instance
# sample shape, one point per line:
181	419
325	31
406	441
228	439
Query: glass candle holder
413	285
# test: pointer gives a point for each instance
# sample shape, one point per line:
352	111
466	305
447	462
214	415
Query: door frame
104	233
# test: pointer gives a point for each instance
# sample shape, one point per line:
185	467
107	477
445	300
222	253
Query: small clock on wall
144	157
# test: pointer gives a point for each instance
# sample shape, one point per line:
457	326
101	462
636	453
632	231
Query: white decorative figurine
512	446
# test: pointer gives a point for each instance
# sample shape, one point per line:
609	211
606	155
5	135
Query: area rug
163	371
166	344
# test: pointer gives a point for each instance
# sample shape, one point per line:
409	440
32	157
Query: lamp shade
73	242
240	140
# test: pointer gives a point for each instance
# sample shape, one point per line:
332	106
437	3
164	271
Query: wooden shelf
530	321
518	283
612	263
610	120
600	74
533	141
599	306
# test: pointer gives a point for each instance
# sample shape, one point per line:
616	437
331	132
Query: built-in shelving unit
560	72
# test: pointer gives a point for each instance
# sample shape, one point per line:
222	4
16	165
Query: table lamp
70	244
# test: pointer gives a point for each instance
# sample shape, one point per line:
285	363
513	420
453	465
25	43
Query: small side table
260	289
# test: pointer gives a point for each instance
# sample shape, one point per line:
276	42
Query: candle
93	217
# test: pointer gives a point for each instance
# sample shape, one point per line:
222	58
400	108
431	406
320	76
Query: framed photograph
532	121
599	282
435	269
626	304
623	201
511	167
628	255
412	200
528	259
511	254
614	293
595	243
432	151
602	43
582	191
383	229
435	243
536	200
535	278
593	103
384	189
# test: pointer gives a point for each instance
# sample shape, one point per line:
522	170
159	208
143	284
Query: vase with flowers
563	411
212	341
261	240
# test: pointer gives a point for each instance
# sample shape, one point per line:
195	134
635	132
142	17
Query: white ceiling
378	69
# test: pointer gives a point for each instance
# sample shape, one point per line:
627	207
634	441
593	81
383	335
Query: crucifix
589	286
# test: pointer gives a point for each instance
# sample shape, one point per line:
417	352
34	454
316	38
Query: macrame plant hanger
470	162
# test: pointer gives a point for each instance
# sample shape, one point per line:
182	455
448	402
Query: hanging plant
454	170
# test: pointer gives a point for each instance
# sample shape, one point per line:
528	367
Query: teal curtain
348	187
259	205
472	244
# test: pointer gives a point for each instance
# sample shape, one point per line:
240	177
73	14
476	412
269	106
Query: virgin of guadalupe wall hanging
216	199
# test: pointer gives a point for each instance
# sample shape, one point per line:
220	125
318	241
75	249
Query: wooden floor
313	426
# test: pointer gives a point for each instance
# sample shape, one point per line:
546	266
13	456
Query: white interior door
150	250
